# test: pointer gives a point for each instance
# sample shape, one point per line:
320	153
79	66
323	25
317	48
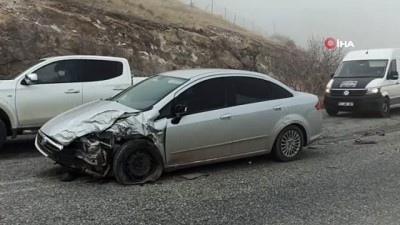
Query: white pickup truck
55	85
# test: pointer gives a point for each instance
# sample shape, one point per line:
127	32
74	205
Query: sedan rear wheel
288	144
136	162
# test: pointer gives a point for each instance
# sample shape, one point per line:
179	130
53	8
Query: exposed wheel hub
139	164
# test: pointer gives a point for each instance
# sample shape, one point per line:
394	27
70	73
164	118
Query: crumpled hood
93	117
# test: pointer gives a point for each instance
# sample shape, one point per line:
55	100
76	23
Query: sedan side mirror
179	112
31	78
332	74
393	75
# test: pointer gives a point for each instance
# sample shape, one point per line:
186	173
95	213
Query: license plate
346	104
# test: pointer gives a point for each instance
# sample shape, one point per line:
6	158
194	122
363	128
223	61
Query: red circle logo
330	43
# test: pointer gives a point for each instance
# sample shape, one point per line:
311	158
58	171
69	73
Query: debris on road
192	176
370	133
358	141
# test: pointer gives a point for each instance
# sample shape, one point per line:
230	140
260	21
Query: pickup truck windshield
362	68
148	92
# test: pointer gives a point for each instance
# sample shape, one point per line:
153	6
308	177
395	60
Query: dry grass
168	11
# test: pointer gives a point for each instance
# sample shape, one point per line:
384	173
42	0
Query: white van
366	80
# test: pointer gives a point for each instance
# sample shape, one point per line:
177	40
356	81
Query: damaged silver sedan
180	119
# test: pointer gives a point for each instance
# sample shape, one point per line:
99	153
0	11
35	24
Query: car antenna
366	52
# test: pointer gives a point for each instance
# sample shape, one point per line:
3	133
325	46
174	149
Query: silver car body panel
95	117
198	138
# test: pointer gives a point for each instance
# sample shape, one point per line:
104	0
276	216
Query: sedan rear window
249	90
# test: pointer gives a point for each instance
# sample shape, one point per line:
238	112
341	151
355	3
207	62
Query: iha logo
332	43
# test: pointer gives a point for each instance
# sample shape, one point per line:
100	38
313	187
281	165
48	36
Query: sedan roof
199	73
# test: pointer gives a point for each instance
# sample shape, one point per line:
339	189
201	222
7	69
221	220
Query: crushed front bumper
372	102
64	156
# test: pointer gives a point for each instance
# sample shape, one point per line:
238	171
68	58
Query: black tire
384	110
280	152
3	133
331	112
137	161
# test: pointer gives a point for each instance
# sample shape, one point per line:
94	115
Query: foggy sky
367	23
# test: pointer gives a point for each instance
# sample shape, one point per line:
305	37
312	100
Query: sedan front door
205	132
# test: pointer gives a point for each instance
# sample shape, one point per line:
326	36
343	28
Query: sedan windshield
148	92
362	68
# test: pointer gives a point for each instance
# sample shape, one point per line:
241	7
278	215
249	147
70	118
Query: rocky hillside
155	35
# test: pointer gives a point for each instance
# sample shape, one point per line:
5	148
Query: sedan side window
58	72
249	90
205	96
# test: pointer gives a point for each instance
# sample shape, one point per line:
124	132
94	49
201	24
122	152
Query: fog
367	23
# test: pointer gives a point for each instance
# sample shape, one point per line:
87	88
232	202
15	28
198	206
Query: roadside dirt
33	29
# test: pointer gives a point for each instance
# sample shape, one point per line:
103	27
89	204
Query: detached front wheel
136	162
288	144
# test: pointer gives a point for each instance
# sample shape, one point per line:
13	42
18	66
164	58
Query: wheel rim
139	164
291	143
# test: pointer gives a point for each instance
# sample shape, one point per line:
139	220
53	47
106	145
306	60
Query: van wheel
136	162
331	112
288	144
3	133
384	110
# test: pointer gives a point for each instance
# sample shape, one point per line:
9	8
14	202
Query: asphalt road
336	181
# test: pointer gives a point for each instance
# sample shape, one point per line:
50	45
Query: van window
362	68
98	70
393	66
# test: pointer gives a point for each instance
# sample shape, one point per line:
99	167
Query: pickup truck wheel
3	133
288	144
137	161
384	110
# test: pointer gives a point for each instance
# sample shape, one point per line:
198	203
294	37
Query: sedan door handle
226	117
72	91
277	108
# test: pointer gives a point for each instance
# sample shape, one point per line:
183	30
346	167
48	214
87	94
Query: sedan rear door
259	107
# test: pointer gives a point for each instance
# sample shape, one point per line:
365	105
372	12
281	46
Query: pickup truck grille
47	145
350	92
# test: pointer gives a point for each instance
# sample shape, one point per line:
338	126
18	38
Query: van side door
392	86
103	78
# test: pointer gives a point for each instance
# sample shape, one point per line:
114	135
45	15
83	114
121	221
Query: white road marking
17	191
30	180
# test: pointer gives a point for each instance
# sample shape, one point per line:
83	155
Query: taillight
318	106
